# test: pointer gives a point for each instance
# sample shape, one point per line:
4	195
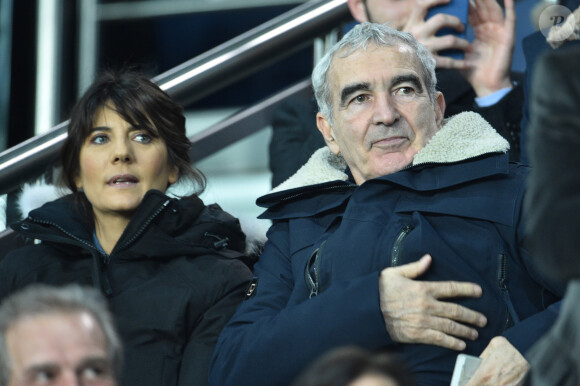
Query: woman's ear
78	182
327	133
173	175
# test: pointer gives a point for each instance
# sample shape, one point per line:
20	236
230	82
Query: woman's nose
122	152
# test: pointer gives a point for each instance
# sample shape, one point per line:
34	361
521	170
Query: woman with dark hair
172	269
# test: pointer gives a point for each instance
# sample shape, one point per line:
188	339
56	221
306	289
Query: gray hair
38	299
359	39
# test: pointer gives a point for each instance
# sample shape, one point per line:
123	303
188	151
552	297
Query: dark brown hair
343	365
141	103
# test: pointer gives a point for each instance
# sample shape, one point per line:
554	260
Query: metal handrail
196	78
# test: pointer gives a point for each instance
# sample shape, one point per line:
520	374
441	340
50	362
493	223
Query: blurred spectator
553	207
58	336
355	366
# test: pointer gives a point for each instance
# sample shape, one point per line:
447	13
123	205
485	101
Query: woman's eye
99	139
143	138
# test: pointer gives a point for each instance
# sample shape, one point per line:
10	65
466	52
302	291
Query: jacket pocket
312	271
502	280
398	244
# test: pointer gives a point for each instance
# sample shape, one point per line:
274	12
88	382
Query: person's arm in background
294	138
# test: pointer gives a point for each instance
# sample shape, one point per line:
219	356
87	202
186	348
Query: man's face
394	12
382	111
58	349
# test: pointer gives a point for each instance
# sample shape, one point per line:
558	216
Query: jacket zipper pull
222	242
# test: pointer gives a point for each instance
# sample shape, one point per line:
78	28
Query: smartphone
465	366
458	8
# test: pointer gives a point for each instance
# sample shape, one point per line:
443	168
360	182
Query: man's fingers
412	270
449	42
457	313
453	289
443	20
510	13
419	11
450	63
438	338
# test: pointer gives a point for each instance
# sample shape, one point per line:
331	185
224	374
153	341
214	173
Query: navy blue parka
317	279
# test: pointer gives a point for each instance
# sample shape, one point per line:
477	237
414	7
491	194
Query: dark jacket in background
317	279
295	136
172	281
553	207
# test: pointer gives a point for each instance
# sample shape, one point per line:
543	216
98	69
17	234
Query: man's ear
357	10
439	106
327	133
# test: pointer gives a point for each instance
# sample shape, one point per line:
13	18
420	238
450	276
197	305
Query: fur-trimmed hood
36	194
463	136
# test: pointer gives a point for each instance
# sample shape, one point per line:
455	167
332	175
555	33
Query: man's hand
490	57
413	312
424	31
502	365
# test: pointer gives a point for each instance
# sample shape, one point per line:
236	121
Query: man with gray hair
404	233
63	336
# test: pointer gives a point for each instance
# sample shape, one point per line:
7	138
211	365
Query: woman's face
119	163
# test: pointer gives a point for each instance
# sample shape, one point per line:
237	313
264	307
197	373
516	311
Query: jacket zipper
70	235
398	244
145	225
107	258
312	271
502	284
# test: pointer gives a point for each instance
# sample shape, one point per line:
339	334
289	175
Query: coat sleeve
528	331
272	338
229	282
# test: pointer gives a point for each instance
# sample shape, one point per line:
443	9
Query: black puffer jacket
173	279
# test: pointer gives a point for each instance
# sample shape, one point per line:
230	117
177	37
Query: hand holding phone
465	367
458	8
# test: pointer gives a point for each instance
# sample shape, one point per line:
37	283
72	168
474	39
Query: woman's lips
123	180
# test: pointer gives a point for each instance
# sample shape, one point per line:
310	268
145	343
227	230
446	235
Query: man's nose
385	111
70	378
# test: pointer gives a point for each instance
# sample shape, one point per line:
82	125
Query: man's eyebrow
408	78
350	89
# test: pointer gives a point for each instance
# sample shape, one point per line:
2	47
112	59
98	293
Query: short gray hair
359	39
39	299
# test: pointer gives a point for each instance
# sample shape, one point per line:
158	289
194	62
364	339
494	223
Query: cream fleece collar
463	136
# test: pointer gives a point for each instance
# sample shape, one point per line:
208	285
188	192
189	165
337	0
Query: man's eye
405	91
143	138
360	98
44	377
99	139
94	372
